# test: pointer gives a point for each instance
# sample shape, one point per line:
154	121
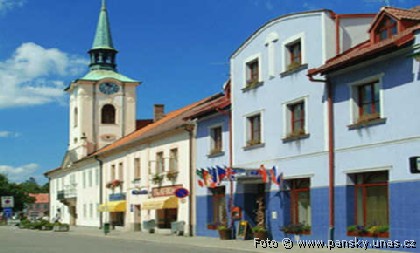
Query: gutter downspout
101	163
190	130
331	154
230	166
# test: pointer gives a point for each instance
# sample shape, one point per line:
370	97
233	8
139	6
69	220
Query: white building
102	110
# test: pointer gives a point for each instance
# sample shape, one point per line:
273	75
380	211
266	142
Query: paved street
92	240
15	240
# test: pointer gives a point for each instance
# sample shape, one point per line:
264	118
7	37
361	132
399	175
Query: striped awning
160	203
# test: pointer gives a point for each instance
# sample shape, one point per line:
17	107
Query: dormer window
386	29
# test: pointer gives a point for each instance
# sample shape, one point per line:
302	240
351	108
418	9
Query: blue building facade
279	121
376	133
213	153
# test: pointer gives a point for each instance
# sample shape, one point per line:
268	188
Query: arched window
75	117
108	114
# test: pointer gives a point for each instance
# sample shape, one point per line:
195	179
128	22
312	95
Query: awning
160	203
113	206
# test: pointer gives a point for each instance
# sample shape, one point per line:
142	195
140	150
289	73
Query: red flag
263	173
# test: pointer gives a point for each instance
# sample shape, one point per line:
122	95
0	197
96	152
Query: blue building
277	119
213	142
374	91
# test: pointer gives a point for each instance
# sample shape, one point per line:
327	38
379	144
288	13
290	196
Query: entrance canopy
160	203
113	206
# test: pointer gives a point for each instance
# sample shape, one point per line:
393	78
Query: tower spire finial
103	51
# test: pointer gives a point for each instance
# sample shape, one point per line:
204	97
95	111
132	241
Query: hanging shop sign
165	191
139	192
181	193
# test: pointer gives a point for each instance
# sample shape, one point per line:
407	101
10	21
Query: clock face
109	88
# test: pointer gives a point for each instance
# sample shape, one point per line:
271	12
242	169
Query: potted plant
355	230
114	183
293	66
172	175
260	232
225	233
61	227
252	142
296	229
157	178
251	84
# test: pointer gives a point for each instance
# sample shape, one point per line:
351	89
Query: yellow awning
160	203
113	206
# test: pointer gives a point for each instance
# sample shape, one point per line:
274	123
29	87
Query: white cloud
19	174
31	75
8	134
6	5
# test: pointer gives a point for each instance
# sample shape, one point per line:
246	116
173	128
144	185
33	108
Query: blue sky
179	49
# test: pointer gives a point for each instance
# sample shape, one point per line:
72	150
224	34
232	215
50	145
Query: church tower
103	102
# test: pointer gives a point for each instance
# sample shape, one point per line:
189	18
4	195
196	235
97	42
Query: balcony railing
117	196
70	191
60	195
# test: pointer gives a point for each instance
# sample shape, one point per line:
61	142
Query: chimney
159	111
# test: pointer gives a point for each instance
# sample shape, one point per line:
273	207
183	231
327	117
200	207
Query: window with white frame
121	172
366	99
97	176
216	140
84	179
253	130
91	210
252	72
112	174
137	168
160	164
173	159
296	118
90	178
293	53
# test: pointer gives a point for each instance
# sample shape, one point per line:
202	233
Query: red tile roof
40	197
365	50
219	103
397	13
369	49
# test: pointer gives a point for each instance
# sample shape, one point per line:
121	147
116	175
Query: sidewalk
207	242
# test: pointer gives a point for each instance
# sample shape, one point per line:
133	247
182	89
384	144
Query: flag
213	172
280	180
263	173
206	178
221	173
229	173
273	173
200	173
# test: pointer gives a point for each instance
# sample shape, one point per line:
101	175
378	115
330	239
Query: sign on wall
165	191
7	201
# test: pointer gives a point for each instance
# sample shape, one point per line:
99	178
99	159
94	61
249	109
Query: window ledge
294	70
254	146
216	154
295	138
367	123
252	87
